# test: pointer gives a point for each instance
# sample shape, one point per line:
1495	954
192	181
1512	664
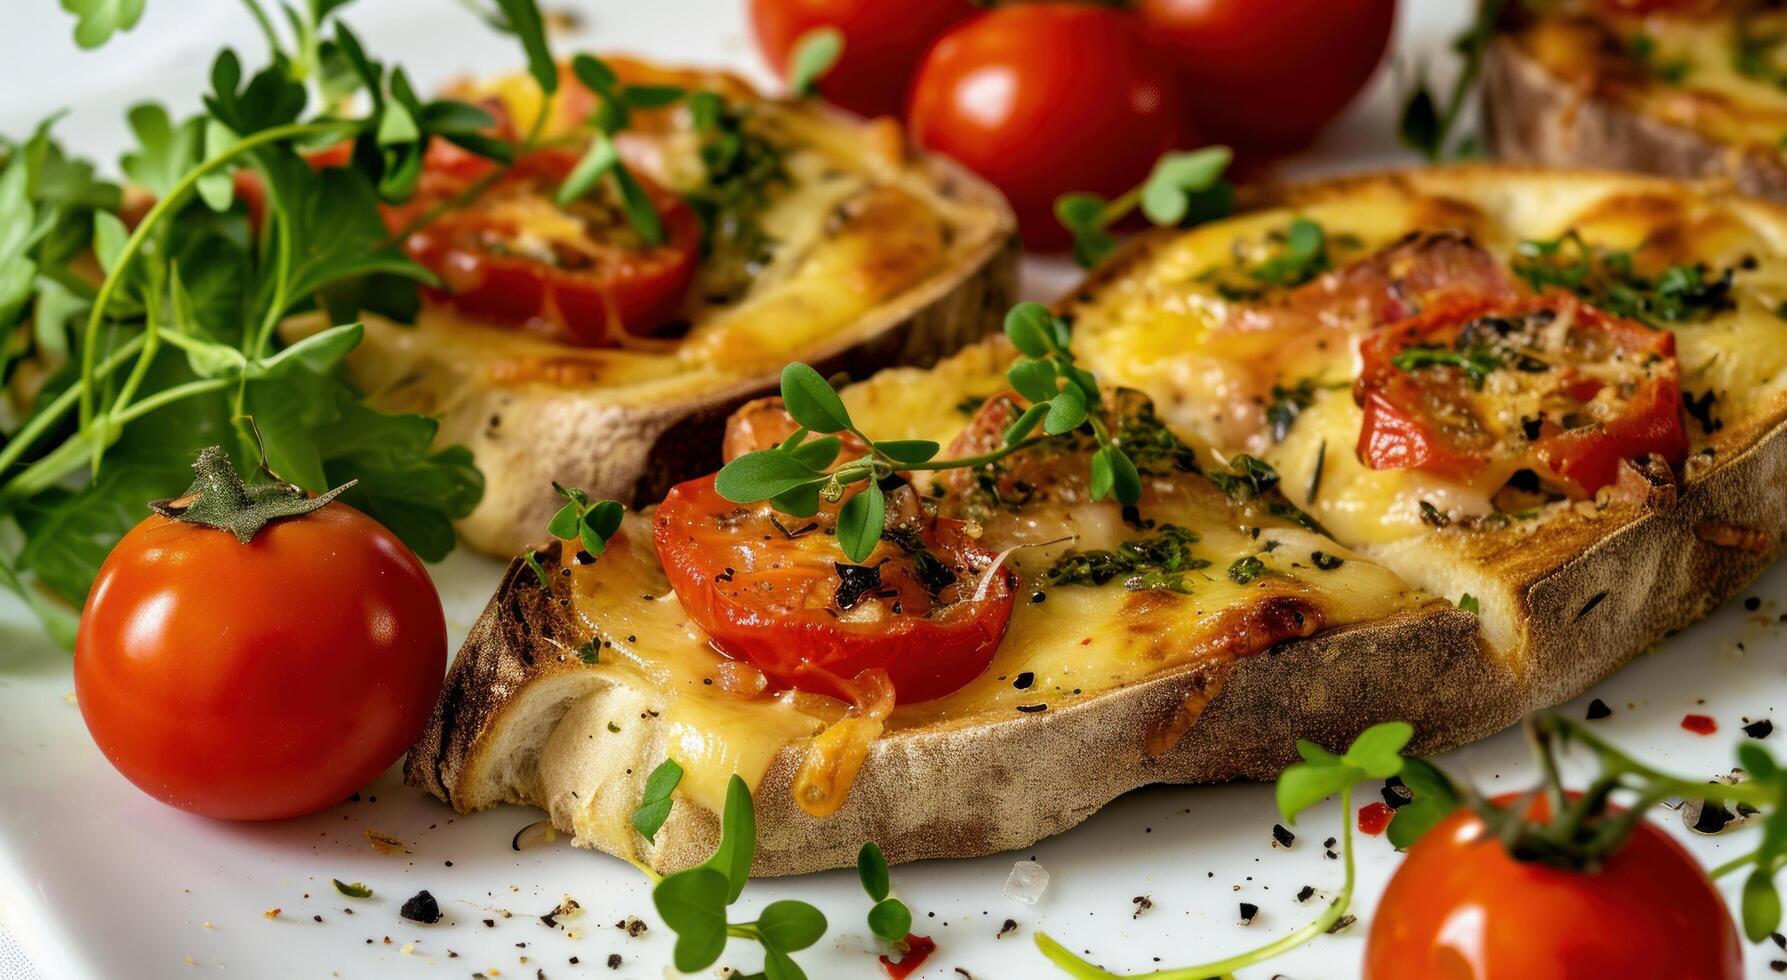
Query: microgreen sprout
889	919
588	523
1183	188
1376	754
800	473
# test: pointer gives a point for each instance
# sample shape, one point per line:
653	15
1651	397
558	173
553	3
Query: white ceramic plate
97	880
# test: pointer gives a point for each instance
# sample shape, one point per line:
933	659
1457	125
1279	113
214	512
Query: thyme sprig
797	475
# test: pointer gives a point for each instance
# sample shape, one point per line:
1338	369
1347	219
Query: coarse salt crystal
1026	883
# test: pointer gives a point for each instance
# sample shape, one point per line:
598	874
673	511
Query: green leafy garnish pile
795	476
120	368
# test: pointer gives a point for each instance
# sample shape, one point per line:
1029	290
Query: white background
96	880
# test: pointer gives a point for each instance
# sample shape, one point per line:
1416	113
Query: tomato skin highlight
1043	99
1269	75
883	44
264	680
760	595
1461	908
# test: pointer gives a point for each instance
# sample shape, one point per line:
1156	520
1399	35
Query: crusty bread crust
1590	593
1534	117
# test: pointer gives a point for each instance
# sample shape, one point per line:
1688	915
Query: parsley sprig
1184	188
1376	754
175	348
798	474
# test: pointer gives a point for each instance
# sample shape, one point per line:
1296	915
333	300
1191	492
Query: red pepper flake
1374	817
918	949
1700	724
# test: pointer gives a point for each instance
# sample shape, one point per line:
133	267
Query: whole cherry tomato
775	591
1046	98
883	42
1269	74
259	680
1461	908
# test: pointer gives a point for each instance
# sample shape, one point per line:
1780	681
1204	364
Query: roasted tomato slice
776	591
1546	383
578	274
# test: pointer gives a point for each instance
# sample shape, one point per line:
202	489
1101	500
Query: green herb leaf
817	453
1126	482
1307	783
597	161
1166	194
1760	906
595	74
354	890
859	523
565	524
654	804
890	920
1469	604
97	20
522	18
790	925
1377	752
693	904
1067	411
1028	328
763	474
738	844
812	401
909	452
871	870
815	54
641	213
1034	378
1434	798
1304	256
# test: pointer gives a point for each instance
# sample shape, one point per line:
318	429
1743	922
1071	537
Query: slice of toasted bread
1565	91
878	255
522	721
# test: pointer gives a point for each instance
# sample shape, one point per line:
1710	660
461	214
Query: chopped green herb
1246	478
1478	361
1607	278
654	803
1468	603
1159	560
353	890
1246	569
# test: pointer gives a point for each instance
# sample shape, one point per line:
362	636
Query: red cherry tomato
579	274
777	592
1562	388
883	43
1461	908
263	680
1046	98
1269	74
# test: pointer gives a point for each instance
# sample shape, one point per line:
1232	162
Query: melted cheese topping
1154	328
1080	641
